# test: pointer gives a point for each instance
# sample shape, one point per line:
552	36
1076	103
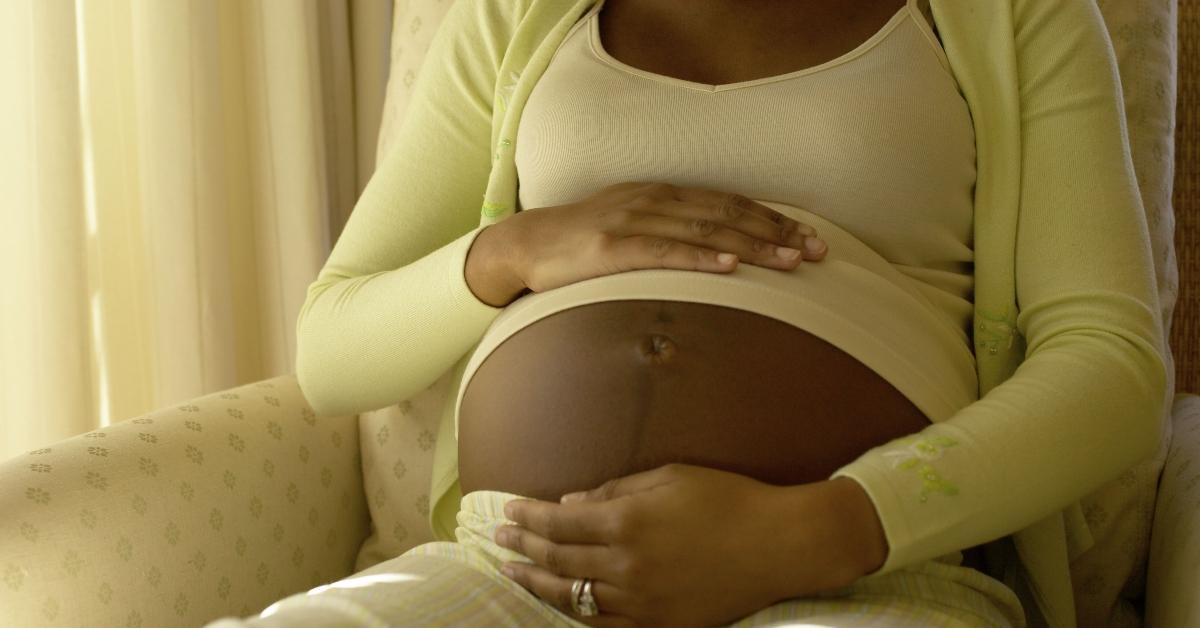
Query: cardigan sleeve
391	310
1088	398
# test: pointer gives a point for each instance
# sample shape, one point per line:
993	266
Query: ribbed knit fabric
877	140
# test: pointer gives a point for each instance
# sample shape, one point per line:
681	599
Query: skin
637	538
727	41
781	510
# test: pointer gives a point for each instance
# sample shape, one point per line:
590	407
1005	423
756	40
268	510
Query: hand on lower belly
685	545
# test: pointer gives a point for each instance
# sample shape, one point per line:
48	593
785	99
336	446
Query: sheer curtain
173	174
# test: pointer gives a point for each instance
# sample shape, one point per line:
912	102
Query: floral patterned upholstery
218	506
1173	580
227	503
397	444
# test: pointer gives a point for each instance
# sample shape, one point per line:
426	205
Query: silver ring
582	601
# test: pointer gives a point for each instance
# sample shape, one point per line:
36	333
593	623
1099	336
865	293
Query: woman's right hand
634	226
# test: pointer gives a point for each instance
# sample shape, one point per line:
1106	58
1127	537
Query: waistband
853	298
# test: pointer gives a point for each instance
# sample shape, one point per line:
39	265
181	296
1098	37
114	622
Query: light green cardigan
1066	327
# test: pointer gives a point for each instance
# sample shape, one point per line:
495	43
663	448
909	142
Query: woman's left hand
685	545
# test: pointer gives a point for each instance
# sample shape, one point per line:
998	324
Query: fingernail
506	570
814	245
570	497
786	253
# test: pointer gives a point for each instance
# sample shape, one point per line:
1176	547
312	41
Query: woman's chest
879	140
720	42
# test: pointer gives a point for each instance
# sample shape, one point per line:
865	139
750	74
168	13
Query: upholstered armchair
226	503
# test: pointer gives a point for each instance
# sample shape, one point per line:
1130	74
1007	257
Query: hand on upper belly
640	225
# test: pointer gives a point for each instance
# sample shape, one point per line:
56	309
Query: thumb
626	485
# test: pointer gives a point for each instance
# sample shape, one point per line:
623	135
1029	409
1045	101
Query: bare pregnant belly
612	388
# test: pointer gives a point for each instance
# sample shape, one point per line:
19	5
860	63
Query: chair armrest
1174	568
217	506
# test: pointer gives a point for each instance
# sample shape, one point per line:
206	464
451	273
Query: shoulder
497	24
523	12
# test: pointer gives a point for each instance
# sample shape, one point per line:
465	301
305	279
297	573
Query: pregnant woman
890	428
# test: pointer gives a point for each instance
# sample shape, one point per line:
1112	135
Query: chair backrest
1143	37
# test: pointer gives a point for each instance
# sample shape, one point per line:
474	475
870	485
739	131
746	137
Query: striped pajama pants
460	584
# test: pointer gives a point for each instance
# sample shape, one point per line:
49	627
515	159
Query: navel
656	349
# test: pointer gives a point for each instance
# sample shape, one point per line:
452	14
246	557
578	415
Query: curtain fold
174	174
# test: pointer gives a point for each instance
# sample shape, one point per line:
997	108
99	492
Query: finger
645	251
699	230
751	226
731	203
612	604
627	485
785	228
565	523
564	559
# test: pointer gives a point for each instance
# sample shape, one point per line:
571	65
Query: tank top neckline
908	10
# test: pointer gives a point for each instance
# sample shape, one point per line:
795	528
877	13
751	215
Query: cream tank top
878	141
875	149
